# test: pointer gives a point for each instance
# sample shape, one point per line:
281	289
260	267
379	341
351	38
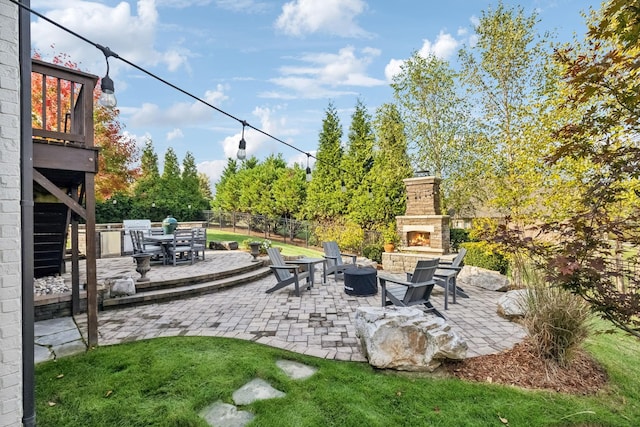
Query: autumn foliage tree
602	80
118	152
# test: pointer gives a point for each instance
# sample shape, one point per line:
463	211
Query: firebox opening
419	238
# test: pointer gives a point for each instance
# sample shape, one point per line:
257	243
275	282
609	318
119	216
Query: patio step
207	277
188	287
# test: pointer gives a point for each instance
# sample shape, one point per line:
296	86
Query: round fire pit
360	281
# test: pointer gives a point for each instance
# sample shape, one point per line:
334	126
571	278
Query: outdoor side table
447	279
360	281
310	264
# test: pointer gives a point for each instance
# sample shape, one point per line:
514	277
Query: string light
108	97
308	169
242	147
107	85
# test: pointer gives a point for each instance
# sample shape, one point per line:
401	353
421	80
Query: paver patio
318	323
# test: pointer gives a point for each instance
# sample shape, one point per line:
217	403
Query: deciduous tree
436	116
118	152
505	71
602	79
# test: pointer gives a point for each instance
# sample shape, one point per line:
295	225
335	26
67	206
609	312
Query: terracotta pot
389	247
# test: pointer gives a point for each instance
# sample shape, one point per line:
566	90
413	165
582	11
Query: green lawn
287	249
167	381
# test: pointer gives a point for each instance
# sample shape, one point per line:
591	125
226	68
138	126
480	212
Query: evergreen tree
391	165
324	195
289	192
358	159
192	196
227	188
147	188
170	185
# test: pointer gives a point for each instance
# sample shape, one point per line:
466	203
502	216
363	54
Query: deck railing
62	110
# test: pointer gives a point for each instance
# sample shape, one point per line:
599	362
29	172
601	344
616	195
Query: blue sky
275	64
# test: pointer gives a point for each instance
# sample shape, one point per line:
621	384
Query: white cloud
129	34
175	134
213	169
271	122
444	46
322	73
178	114
393	68
334	17
140	140
475	21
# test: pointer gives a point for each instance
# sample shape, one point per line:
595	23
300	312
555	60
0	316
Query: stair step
173	283
186	291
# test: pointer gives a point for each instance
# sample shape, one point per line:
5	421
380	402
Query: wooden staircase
49	238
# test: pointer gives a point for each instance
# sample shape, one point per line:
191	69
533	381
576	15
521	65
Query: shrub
556	320
373	252
485	255
349	235
458	236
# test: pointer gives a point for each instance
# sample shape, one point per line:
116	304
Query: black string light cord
109	53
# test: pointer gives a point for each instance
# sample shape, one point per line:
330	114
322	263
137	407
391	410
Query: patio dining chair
416	290
286	274
335	263
181	248
199	236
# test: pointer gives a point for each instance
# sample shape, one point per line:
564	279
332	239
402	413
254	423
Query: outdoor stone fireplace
424	233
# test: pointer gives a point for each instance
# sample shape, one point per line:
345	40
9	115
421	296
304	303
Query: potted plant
390	236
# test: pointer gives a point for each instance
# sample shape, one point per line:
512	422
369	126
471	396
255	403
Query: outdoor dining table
165	240
310	263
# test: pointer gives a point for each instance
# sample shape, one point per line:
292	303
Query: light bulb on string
308	171
107	97
242	147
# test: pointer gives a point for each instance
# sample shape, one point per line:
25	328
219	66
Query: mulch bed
521	367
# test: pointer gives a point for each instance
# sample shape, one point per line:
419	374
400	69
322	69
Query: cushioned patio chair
335	263
285	274
414	291
446	275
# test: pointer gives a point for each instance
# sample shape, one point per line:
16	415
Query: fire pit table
360	281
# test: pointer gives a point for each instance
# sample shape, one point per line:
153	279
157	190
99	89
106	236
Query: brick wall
10	263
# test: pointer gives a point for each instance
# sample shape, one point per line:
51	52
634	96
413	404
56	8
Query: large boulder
406	339
513	304
482	278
